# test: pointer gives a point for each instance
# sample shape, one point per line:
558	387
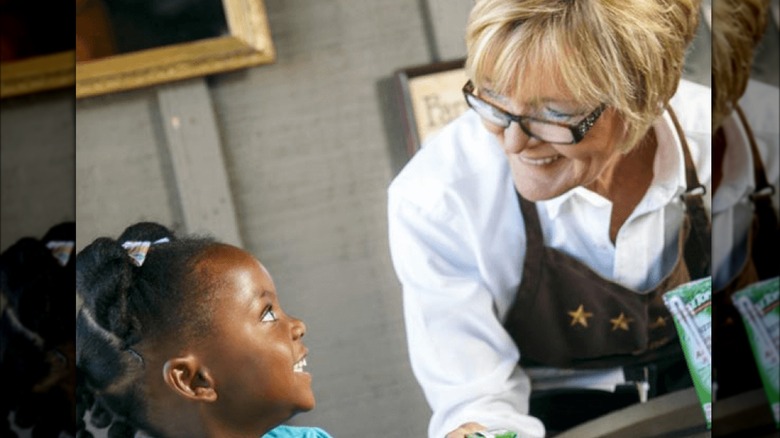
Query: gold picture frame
37	74
248	44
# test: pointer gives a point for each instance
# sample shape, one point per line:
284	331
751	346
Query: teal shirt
296	432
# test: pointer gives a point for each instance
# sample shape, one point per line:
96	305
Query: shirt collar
668	176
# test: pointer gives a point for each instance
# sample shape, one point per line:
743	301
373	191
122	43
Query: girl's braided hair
36	291
121	304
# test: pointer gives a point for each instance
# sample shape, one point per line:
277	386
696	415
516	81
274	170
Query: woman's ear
188	378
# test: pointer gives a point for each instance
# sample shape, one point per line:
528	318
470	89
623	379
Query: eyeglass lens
544	131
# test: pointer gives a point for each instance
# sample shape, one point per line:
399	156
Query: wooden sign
431	97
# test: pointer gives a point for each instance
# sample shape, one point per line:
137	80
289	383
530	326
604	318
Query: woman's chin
536	192
540	182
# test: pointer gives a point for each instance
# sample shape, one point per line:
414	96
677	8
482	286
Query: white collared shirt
458	245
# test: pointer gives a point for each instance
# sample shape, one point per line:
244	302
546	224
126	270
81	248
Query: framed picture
124	44
37	74
430	98
36	47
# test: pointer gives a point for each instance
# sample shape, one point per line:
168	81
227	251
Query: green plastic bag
758	306
691	307
500	433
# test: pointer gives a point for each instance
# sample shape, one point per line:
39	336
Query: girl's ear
188	378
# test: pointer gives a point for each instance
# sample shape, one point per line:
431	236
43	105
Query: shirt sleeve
461	355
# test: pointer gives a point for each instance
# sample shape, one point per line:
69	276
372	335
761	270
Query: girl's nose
298	328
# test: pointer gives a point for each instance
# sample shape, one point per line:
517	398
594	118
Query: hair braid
121	304
37	330
104	332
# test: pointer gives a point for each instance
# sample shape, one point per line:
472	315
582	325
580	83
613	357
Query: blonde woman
533	236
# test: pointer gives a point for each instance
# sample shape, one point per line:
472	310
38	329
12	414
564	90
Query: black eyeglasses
544	130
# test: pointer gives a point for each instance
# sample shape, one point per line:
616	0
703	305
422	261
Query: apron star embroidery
659	322
580	316
621	322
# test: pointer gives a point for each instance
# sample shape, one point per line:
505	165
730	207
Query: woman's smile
539	161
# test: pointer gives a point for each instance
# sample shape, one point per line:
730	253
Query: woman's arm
460	353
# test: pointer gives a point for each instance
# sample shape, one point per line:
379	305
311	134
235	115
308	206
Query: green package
691	307
499	433
758	306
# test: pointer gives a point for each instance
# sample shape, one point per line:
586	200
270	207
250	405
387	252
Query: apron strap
697	251
763	188
766	217
532	267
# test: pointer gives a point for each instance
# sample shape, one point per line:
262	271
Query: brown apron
734	368
565	315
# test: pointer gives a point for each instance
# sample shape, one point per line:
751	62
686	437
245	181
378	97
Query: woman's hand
465	429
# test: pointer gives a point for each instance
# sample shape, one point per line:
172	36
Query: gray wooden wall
37	164
290	160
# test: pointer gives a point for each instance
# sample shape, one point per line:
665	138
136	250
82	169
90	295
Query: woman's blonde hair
737	27
626	54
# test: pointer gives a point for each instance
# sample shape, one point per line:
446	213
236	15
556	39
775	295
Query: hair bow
137	249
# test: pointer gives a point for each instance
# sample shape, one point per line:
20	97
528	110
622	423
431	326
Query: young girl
185	338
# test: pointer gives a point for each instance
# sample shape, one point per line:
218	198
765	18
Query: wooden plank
676	414
679	414
196	155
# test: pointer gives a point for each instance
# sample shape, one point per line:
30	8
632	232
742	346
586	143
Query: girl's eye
269	316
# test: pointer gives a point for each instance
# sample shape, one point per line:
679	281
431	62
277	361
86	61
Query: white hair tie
137	249
61	250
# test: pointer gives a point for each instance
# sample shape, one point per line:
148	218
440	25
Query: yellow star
580	316
621	322
659	322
